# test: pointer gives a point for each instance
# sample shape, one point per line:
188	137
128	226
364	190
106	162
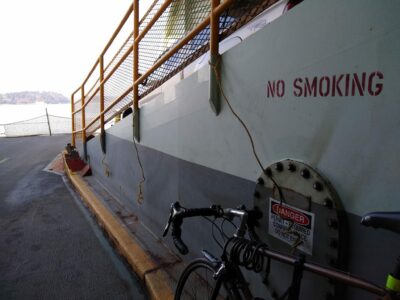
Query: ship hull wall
318	85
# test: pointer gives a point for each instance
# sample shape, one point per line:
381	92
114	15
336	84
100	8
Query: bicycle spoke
198	282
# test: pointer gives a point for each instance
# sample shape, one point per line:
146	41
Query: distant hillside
32	97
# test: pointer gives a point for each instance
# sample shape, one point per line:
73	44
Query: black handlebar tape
196	212
178	220
176	237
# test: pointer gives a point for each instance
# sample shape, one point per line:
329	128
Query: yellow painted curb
154	278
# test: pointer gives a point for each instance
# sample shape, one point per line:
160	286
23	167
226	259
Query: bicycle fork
230	277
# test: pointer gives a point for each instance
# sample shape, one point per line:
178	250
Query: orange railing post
136	115
215	98
83	121
102	132
106	72
73	119
214	28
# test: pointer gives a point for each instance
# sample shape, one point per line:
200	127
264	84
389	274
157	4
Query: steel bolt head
333	223
305	173
328	203
292	167
279	167
318	186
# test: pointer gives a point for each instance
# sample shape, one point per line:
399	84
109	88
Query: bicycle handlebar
177	214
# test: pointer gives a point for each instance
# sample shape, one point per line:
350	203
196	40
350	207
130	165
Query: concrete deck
50	247
149	258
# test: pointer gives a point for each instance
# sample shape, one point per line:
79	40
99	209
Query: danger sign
291	225
290	214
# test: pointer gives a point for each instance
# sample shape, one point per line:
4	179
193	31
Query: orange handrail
216	9
73	119
116	32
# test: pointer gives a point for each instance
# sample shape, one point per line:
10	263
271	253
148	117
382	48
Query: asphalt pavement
50	247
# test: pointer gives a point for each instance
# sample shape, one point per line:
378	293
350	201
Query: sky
51	45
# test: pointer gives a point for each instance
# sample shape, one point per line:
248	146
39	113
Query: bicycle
222	278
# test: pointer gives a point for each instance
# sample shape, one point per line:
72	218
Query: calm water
15	113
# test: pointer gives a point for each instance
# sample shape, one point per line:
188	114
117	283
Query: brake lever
173	210
168	223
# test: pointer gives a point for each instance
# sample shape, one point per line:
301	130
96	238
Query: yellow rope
139	195
218	77
106	167
289	230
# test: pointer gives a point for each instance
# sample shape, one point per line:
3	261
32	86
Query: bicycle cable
212	229
222	226
248	254
289	230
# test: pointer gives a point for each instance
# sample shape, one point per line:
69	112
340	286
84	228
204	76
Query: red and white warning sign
291	225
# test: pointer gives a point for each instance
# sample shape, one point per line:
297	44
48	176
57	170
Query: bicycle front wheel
197	282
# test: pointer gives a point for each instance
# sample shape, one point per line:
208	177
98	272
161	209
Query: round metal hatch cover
301	213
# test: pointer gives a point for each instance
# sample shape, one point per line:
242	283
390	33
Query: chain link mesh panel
92	83
180	18
92	111
175	23
119	84
77	101
78	121
59	125
77	118
37	126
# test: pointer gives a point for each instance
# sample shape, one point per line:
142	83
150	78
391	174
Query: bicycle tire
197	281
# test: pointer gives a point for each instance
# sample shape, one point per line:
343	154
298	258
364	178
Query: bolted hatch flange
301	213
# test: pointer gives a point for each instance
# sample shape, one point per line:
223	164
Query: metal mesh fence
78	121
77	118
37	126
120	83
92	110
180	18
175	23
59	125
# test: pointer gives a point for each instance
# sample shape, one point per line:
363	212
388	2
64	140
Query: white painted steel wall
353	141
